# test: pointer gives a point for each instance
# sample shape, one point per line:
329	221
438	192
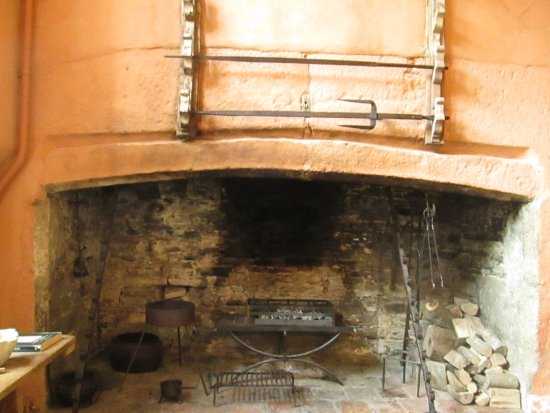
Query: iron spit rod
304	61
304	114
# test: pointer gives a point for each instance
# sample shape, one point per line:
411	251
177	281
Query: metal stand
402	358
299	357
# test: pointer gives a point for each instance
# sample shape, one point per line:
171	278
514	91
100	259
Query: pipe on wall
24	100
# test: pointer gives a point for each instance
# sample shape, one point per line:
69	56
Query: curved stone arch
504	177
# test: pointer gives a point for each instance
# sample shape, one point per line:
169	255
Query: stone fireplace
217	241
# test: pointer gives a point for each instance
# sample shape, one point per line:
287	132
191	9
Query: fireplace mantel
497	172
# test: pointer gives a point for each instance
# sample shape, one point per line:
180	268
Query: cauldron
170	390
89	391
148	357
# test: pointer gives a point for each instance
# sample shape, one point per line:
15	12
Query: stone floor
361	392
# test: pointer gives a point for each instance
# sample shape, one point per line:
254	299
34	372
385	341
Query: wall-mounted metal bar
373	115
306	61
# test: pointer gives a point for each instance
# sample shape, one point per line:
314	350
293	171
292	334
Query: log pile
466	359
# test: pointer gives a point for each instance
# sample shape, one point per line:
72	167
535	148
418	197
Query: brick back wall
217	242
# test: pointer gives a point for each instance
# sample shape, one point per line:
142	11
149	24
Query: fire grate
291	312
279	379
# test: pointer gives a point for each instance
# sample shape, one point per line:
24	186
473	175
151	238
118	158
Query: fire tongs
372	116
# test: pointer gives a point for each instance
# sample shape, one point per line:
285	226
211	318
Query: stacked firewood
466	359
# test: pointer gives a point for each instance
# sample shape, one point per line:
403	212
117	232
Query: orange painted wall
103	104
9	66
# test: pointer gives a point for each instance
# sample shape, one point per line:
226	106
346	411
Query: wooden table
22	365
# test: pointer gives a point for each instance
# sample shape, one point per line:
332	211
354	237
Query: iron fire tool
412	308
373	115
429	237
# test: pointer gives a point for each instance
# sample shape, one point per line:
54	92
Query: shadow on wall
280	221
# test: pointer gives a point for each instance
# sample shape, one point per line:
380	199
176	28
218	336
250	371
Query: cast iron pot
148	356
89	391
170	390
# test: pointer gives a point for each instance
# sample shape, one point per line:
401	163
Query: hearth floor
361	392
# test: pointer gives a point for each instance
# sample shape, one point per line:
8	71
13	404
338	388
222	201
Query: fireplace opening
218	242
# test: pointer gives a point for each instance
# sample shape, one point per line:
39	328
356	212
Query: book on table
40	341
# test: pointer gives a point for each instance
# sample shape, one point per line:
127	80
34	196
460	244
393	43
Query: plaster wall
9	65
103	104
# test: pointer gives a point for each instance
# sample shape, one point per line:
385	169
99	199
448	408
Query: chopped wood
501	380
472	387
496	369
437	314
469	308
454	310
505	398
480	379
463	376
458	301
480	346
456	359
482	399
497	360
438	371
438	342
477	324
461	397
480	366
432	305
454	383
463	328
496	344
469	355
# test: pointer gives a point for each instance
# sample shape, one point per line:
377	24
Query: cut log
497	360
496	344
438	342
454	310
456	359
480	379
461	397
432	305
472	387
469	355
437	314
479	367
462	375
496	369
482	399
501	381
477	324
438	371
469	308
458	301
463	328
505	398
454	383
480	346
